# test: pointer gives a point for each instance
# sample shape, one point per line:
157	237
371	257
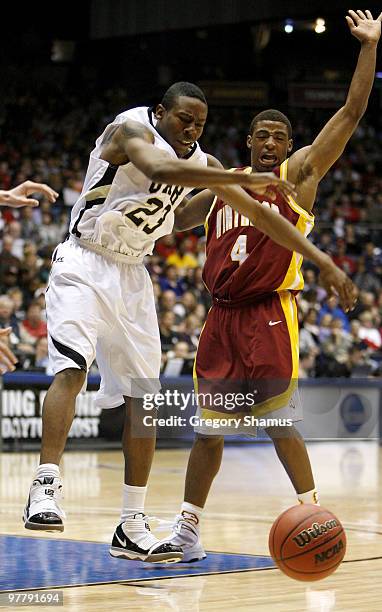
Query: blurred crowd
48	139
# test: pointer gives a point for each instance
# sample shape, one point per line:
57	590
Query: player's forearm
179	172
362	81
285	234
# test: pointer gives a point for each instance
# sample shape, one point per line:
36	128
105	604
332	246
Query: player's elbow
354	112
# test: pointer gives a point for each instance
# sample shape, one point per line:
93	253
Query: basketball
307	542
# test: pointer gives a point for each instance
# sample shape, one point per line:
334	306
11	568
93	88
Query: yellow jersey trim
291	201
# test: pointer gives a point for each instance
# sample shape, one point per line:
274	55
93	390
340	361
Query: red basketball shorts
249	350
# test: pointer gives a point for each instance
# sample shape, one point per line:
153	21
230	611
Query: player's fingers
42	188
379	18
18	201
5	331
369	15
355	17
351	23
270	194
361	14
6	356
287	188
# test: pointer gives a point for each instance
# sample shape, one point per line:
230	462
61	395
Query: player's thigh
129	355
271	353
73	312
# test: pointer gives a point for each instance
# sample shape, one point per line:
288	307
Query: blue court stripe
35	563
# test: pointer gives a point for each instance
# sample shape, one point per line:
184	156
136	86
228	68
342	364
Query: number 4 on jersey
239	249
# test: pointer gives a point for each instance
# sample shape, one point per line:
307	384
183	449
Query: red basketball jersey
242	262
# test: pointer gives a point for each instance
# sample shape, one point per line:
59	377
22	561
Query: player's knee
279	433
71	378
210	442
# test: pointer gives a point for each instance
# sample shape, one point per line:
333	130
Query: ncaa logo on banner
355	410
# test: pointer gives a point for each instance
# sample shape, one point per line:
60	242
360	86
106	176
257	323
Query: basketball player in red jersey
251	332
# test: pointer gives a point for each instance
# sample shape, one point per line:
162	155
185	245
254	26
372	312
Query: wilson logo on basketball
304	537
329	553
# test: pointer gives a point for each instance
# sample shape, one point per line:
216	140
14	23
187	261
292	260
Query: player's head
181	116
270	139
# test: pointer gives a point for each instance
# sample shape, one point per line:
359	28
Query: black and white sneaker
133	540
43	510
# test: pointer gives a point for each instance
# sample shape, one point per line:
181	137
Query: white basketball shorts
98	308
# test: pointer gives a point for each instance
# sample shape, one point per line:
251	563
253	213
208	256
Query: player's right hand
267	183
7	358
336	282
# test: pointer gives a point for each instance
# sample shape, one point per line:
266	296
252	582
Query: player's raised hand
363	26
336	282
18	196
7	358
266	183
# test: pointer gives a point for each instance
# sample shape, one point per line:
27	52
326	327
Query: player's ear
249	141
159	111
290	144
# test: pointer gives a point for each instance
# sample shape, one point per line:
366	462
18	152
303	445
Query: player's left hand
336	282
267	183
363	26
18	196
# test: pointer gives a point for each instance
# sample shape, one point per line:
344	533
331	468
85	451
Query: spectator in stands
338	343
33	326
49	232
330	306
186	305
9	265
364	280
369	332
168	336
342	260
29	227
17	298
183	258
15	231
170	280
179	362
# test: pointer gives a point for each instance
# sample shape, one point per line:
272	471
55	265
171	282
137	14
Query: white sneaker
186	535
43	510
133	539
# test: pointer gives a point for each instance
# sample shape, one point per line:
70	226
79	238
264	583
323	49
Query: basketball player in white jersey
100	300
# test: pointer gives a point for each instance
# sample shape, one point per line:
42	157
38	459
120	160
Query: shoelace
138	525
39	495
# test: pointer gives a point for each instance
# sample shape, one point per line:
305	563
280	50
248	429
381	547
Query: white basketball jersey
120	211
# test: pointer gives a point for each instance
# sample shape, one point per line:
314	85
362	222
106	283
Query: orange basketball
307	542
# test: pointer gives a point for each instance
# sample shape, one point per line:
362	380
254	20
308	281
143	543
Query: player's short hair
182	88
271	114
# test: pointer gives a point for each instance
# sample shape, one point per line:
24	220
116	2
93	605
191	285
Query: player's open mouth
186	143
268	159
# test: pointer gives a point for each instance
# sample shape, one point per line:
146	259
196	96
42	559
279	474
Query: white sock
310	497
48	469
133	501
191	513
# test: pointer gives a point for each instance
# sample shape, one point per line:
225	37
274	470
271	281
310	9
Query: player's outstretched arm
314	161
18	196
133	142
284	233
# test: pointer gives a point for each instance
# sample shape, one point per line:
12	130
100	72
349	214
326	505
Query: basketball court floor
249	493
